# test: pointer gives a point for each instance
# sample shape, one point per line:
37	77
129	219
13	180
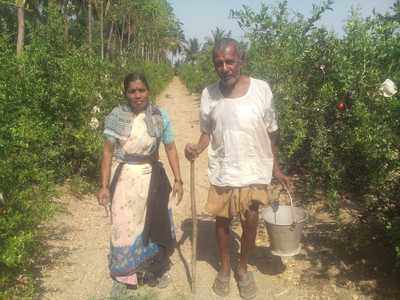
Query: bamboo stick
194	224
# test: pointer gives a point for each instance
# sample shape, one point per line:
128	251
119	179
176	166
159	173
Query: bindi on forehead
136	83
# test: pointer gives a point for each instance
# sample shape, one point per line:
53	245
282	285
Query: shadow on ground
207	248
53	247
350	256
349	251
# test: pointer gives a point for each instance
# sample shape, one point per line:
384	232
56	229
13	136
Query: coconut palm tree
216	35
192	49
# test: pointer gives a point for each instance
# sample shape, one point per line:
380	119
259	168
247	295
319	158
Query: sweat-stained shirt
240	151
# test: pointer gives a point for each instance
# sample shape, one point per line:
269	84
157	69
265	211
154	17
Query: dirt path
78	243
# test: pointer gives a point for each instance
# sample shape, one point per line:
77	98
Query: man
238	119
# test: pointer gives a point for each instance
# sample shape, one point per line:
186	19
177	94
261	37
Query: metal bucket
284	226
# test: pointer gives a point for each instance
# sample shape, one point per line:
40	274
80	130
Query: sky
200	17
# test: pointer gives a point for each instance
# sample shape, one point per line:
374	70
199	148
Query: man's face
227	64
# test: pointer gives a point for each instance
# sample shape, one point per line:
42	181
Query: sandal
247	286
221	285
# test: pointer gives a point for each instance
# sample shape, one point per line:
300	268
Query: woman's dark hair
134	77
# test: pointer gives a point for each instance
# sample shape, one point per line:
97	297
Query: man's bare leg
222	232
249	228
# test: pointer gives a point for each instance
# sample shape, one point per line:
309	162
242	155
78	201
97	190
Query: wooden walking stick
194	224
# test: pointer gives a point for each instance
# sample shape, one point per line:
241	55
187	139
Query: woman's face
137	95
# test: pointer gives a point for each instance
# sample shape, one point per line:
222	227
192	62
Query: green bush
52	104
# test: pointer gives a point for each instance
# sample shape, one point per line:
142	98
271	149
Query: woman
134	183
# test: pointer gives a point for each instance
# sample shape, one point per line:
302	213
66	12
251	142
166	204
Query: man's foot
221	285
247	285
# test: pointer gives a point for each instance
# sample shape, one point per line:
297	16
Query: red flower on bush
341	106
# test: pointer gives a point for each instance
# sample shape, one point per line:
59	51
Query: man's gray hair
223	43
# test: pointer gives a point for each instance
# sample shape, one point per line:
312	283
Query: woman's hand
177	191
172	154
103	196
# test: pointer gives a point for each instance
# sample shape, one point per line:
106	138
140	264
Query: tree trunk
102	29
121	40
90	23
110	34
64	11
21	27
129	33
107	7
66	28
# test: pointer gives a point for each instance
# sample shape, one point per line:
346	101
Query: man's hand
283	179
177	191
191	151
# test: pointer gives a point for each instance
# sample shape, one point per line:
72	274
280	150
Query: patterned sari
128	254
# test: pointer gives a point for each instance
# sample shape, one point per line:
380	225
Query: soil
335	261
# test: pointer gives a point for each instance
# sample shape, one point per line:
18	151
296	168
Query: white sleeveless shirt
240	148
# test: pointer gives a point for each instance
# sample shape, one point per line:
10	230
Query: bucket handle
291	205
